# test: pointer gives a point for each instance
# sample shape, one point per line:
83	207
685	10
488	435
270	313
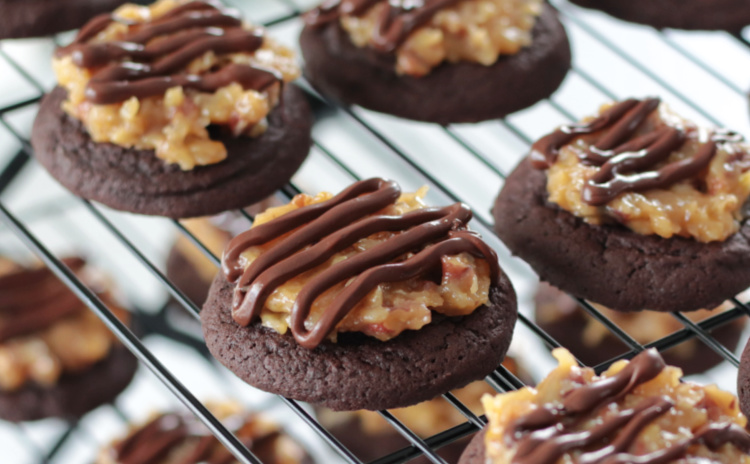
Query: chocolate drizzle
319	231
152	57
31	300
547	433
627	164
397	21
154	441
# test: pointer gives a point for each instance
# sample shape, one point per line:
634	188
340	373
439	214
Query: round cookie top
635	412
425	33
156	77
45	330
640	165
178	437
370	260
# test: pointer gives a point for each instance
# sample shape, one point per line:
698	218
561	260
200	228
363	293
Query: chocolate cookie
137	181
610	264
178	109
33	18
563	318
382	301
620	416
360	372
452	92
180	434
74	394
730	15
633	208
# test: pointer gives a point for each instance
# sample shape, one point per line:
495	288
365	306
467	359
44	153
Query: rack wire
351	143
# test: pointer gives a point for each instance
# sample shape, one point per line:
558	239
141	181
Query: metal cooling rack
702	75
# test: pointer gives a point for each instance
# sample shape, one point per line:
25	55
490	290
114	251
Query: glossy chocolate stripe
270	273
185	33
626	164
99	54
248	77
644	367
622	129
397	21
328	228
231	264
544	151
640	153
601	193
550	444
416	266
548	433
713	436
213	17
164	434
152	442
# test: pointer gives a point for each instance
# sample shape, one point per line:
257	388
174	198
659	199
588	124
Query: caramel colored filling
175	124
477	31
390	308
692	408
708	207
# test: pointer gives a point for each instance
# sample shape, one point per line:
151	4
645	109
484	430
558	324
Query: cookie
730	15
462	90
181	434
74	394
591	342
400	332
45	17
634	412
177	145
609	249
43	374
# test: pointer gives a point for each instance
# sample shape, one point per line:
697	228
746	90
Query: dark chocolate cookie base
360	372
610	264
139	182
34	18
369	447
568	329
461	92
730	15
474	453
75	394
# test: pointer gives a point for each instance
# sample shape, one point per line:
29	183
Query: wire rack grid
702	75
